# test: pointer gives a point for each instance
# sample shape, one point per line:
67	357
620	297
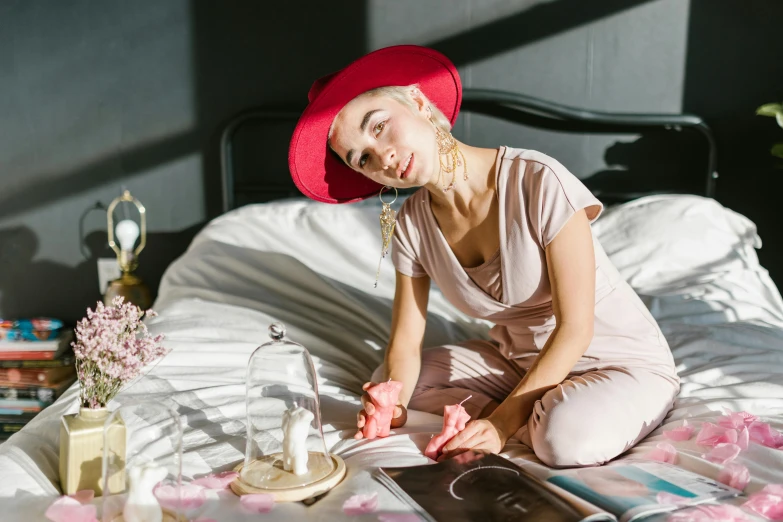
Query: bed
312	266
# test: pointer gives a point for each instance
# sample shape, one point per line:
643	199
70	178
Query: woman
577	368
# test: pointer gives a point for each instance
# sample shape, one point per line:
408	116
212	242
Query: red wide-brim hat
317	172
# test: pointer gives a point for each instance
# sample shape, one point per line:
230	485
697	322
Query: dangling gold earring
447	146
387	228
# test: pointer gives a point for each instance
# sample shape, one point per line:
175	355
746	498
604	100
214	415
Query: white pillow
661	240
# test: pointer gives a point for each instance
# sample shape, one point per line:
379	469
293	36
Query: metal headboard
518	108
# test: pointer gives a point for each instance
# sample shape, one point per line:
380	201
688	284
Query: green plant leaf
779	118
777	150
769	109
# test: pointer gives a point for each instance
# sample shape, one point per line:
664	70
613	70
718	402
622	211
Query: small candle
296	425
454	419
384	397
142	506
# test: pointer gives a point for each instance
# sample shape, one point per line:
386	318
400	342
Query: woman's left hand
478	435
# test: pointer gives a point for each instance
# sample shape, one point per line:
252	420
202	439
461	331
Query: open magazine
483	487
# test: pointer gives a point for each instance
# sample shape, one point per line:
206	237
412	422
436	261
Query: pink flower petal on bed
360	504
736	420
663	452
216	481
743	439
764	434
723	453
711	435
734	475
84	496
258	503
664	497
709	513
684	432
767	502
67	509
187	497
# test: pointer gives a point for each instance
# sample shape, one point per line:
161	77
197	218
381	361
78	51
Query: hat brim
319	174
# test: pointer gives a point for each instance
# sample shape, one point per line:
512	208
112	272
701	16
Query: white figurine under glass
286	454
145	484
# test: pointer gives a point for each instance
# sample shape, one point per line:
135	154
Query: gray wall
100	96
620	56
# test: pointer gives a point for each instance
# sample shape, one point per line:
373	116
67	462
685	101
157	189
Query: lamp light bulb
127	233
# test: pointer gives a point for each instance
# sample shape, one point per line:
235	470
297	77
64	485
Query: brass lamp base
132	288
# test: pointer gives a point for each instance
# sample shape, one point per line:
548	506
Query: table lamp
127	231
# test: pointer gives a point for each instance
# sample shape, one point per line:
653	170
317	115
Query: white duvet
312	266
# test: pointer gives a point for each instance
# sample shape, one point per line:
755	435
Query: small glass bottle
145	481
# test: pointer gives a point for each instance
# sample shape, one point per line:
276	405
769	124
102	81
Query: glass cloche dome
286	454
142	466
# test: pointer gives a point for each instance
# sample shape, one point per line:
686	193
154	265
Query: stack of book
36	367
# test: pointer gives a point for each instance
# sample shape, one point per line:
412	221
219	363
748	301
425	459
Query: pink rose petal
398	517
67	509
734	475
738	419
684	432
723	453
663	452
216	481
257	503
764	434
709	513
743	439
664	497
711	435
767	502
85	496
186	498
360	504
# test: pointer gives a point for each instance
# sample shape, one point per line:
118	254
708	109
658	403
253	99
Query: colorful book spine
35	376
11	406
67	359
8	428
13	422
44	394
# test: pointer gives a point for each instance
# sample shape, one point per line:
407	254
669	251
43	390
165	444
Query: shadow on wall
728	74
664	161
247	54
541	21
30	287
244	54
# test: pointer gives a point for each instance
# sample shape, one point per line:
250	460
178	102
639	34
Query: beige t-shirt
536	197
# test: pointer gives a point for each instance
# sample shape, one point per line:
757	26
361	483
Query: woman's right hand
399	418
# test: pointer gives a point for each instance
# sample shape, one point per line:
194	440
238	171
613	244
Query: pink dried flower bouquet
112	347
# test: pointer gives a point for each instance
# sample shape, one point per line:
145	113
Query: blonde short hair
401	94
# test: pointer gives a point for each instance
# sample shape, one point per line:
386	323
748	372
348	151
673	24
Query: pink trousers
588	419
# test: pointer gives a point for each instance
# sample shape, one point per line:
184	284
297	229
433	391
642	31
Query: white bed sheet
312	267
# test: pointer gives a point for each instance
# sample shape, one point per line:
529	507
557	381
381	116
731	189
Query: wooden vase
81	451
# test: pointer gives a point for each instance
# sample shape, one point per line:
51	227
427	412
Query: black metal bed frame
513	107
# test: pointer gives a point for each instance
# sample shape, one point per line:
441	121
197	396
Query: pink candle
384	398
454	419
